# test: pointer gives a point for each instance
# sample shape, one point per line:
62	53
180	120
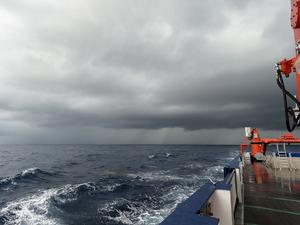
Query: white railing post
238	175
221	206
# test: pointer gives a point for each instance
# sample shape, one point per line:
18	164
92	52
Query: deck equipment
288	66
259	145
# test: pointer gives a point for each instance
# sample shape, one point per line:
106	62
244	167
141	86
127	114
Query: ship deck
271	196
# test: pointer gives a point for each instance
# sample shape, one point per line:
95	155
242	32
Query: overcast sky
137	71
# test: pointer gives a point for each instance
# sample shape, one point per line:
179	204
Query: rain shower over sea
102	184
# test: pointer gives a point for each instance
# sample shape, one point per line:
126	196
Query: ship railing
214	203
291	161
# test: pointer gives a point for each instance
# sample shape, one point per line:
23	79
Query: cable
289	111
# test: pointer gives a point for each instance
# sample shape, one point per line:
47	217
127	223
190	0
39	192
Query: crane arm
288	66
259	144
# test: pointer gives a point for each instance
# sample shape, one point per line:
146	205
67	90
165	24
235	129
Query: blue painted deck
187	213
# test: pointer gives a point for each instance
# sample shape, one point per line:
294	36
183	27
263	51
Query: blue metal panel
295	154
186	212
222	185
194	203
234	164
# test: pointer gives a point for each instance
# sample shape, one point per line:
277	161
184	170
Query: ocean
102	184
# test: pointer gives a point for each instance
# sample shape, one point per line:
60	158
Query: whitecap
214	170
30	210
109	188
34	209
23	174
30	171
194	166
156	175
139	213
71	193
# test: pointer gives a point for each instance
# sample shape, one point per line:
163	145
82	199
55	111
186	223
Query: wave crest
23	176
72	192
30	210
39	208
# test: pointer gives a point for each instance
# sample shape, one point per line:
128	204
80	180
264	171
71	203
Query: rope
288	110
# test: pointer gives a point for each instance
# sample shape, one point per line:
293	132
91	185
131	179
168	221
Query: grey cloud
128	67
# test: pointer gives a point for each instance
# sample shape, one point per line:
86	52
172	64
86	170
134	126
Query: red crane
259	145
288	66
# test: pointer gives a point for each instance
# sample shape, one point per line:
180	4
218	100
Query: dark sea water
96	184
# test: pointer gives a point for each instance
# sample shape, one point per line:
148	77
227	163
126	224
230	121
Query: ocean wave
214	170
110	188
194	166
161	155
24	175
30	210
45	207
28	172
70	193
38	208
151	156
214	173
168	176
123	193
155	176
119	210
151	210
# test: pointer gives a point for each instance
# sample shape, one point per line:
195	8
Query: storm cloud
138	71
